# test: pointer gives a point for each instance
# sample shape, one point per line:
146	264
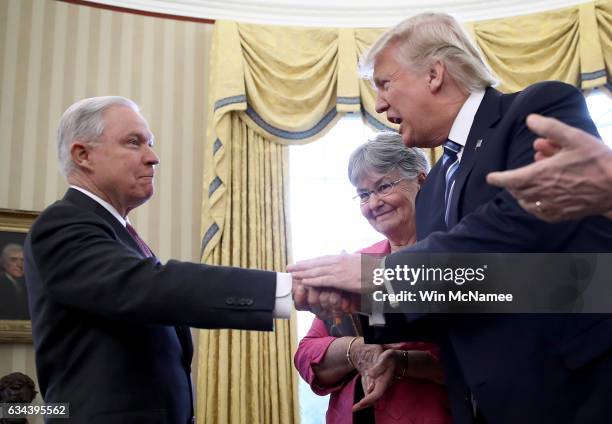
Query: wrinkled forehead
368	179
384	61
393	53
386	64
123	120
15	255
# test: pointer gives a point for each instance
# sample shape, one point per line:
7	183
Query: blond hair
425	38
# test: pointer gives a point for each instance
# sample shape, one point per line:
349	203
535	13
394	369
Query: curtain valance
291	84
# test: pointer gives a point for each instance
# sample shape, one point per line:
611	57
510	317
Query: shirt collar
463	121
104	204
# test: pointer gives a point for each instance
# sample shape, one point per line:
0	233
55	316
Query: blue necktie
450	165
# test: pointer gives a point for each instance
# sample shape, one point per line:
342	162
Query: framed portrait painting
15	325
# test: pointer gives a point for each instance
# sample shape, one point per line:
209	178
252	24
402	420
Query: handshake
328	286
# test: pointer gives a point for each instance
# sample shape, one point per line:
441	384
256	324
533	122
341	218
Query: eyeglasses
382	190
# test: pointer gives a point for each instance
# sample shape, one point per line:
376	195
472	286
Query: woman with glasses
333	358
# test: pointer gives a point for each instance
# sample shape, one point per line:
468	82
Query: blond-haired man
499	368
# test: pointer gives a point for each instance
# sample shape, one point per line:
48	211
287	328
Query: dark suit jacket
109	326
13	301
519	368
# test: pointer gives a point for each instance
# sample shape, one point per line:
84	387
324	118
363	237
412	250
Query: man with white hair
110	322
13	293
515	368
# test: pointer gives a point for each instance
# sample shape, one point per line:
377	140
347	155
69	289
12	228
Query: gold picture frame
14	224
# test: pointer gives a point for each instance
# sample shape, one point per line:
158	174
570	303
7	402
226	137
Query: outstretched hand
341	272
325	303
570	178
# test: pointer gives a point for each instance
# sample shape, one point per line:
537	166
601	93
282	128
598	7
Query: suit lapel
429	205
488	114
87	203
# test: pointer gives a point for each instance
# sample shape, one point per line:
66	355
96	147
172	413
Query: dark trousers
365	416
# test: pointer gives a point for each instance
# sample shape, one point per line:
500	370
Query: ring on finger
538	206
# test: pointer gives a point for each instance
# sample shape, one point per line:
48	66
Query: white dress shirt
465	118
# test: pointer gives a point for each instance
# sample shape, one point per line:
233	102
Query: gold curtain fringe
248	377
603	14
592	67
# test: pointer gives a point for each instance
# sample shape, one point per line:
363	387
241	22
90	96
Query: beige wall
54	53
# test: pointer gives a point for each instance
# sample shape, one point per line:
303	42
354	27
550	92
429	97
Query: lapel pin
478	143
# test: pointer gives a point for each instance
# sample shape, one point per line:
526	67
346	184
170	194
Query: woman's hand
379	378
364	356
393	364
418	364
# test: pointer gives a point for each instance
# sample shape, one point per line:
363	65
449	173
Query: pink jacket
406	401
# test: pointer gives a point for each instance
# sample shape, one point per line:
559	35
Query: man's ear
421	179
436	75
79	152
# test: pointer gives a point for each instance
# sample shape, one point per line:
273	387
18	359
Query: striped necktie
450	165
140	242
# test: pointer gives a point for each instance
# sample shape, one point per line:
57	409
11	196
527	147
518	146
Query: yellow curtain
559	45
568	45
276	86
603	12
243	377
246	376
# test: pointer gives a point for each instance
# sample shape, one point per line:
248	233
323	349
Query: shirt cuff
377	318
284	302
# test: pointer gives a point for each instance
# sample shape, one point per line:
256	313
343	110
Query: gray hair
84	121
386	153
427	37
9	248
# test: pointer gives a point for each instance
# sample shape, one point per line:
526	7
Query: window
599	102
325	219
